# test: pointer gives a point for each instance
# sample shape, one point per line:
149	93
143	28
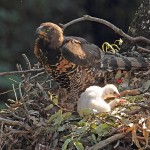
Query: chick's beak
118	95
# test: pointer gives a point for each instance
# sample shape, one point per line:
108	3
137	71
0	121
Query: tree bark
140	26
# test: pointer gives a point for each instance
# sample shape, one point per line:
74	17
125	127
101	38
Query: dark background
20	18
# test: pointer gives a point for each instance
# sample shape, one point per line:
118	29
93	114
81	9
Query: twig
108	24
19	67
144	50
24	104
7	92
130	92
28	65
38	74
43	92
1	133
7	121
108	141
17	117
15	123
27	61
47	97
16	132
15	93
20	72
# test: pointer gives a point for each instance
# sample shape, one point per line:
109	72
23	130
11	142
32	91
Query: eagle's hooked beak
39	30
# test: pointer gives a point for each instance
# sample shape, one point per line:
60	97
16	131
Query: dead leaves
142	128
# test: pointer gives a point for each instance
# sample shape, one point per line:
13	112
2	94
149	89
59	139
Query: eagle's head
51	33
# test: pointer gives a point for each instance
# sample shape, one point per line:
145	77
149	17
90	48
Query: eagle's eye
48	30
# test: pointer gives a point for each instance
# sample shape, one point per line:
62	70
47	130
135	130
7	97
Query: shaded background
20	18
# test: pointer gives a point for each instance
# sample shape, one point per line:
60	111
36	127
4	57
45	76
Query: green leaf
102	129
49	107
64	146
81	129
94	138
66	115
55	100
93	126
78	145
62	128
56	118
82	123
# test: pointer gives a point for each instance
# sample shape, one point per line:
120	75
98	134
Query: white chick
94	98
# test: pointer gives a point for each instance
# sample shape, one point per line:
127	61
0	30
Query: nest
35	121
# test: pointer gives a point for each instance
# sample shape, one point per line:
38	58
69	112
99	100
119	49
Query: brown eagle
74	62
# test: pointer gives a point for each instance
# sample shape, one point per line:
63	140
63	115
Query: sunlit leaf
78	145
66	115
64	146
49	107
93	126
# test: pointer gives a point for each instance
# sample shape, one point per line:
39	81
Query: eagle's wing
80	52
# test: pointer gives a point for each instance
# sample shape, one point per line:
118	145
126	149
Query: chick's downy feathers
94	98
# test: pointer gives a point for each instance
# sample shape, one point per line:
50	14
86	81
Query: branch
130	92
108	141
28	65
21	72
108	24
144	50
11	122
24	104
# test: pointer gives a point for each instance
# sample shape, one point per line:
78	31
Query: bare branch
108	24
24	104
11	122
144	50
28	65
130	92
17	117
15	123
27	61
21	72
108	141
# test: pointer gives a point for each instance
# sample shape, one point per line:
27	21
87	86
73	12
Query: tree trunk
140	26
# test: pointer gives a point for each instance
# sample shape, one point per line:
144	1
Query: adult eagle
75	63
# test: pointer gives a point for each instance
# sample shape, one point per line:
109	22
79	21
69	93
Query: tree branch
21	72
108	141
144	50
108	24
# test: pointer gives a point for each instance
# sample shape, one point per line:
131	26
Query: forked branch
108	24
